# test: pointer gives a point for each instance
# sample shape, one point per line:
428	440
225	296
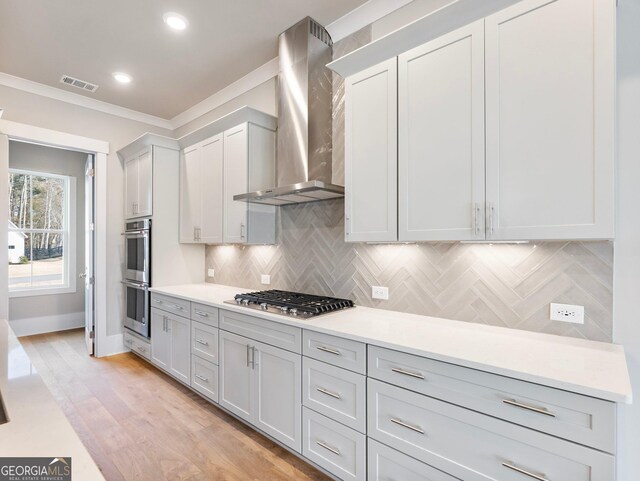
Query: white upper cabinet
441	138
371	154
201	187
138	174
550	97
239	160
505	131
249	165
235	182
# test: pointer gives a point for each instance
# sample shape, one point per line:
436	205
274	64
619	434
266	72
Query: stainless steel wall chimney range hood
304	162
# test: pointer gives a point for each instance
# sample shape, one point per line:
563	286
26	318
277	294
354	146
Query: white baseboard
41	325
111	345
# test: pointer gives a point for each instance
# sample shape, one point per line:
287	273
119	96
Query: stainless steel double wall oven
137	278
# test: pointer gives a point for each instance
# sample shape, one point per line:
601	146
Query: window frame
69	235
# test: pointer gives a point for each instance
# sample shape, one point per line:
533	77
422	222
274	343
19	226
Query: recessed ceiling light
122	77
175	20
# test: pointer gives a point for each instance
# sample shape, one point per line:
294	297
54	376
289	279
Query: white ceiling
40	40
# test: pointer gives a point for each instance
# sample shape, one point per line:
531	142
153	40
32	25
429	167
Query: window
41	233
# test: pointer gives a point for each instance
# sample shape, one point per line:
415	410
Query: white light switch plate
265	279
378	292
567	313
211	272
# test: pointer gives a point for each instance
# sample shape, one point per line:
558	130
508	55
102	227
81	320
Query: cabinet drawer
386	464
335	447
203	313
335	392
204	341
269	332
137	345
567	415
204	377
473	446
335	350
170	304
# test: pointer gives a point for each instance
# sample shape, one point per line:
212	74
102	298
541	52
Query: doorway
61	231
51	246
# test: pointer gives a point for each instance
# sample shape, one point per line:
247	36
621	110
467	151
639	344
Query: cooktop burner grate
293	302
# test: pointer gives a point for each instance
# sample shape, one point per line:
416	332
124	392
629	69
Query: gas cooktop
290	303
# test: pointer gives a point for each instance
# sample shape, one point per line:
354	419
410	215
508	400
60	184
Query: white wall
27	108
626	283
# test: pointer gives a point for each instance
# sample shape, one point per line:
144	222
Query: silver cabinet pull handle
203	342
408	426
241	230
248	359
180	308
140	348
417	375
513	402
202	378
253	357
328	393
157	301
328	448
526	473
201	313
329	350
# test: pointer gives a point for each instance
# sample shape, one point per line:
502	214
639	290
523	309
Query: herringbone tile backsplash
505	285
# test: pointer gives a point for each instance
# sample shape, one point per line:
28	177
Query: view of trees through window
37	229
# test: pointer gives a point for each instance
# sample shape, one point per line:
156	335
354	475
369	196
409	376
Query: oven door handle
135	285
136	233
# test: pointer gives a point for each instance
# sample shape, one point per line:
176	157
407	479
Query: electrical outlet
378	292
567	313
211	272
265	279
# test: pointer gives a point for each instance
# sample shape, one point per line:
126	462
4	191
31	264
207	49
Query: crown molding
360	17
82	101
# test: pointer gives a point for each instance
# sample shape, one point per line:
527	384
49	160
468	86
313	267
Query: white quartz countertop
37	426
592	368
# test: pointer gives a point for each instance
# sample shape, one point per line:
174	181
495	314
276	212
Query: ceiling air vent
81	84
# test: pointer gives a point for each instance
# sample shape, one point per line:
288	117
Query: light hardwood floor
139	424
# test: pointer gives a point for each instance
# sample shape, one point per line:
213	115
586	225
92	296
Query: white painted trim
52	138
80	100
4	208
362	16
40	325
103	346
231	91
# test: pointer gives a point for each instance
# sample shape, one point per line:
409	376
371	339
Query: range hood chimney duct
304	157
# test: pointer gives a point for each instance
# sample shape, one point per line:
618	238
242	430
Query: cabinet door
180	338
278	394
160	340
130	187
190	196
211	178
145	184
371	154
550	95
235	182
441	138
235	383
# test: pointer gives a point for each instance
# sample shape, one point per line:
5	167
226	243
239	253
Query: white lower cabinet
386	464
474	446
334	447
204	377
262	384
170	344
